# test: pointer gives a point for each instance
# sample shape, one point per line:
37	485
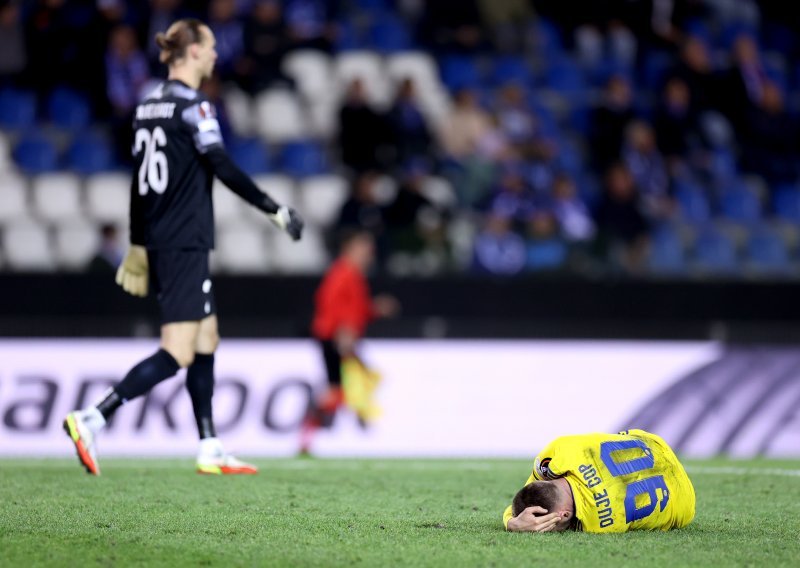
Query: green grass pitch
314	512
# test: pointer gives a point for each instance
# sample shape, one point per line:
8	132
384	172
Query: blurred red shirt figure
343	308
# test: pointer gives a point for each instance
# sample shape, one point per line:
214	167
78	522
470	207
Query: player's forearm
239	182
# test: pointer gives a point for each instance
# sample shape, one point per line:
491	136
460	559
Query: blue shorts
181	282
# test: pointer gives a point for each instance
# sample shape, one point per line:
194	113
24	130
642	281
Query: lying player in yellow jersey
604	483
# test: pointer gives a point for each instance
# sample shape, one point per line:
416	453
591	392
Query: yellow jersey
620	482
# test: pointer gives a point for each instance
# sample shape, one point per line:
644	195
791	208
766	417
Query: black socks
200	383
139	380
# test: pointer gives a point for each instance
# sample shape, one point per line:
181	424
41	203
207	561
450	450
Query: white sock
211	448
93	419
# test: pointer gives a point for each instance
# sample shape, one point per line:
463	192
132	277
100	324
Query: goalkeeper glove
289	220
132	273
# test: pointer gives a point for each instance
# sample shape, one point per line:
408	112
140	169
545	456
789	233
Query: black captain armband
238	181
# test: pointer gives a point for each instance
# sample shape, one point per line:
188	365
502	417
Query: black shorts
181	282
333	362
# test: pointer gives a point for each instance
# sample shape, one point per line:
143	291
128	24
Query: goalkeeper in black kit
178	149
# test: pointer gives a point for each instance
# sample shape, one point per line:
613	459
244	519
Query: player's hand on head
132	274
289	220
534	519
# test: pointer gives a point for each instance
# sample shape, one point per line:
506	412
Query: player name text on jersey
155	110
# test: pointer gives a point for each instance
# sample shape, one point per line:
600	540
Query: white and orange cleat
212	460
83	438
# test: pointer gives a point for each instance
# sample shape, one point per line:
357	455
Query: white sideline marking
748	471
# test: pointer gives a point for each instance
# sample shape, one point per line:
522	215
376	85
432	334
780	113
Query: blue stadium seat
565	76
741	205
36	154
510	69
373	7
69	109
667	254
348	37
547	255
459	72
657	65
715	252
389	35
301	159
767	252
692	203
90	154
723	164
17	109
786	204
251	155
547	38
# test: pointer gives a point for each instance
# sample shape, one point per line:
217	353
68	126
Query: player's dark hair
539	494
177	38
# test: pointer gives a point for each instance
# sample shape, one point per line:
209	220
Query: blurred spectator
362	131
609	121
127	74
361	210
706	85
109	253
512	198
746	81
517	121
310	23
126	71
494	145
622	228
647	168
674	122
465	125
13	55
229	33
507	21
545	250
498	250
453	26
264	47
409	131
770	141
573	216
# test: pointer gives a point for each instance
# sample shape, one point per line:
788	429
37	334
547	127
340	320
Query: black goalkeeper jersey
174	128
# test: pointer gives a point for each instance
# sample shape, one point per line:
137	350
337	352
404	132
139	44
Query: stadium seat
13	197
250	155
718	131
547	255
667	254
280	116
323	118
228	207
460	72
348	37
311	70
440	192
108	197
56	197
36	154
715	252
90	155
76	243
69	109
767	252
306	256
416	65
242	249
510	69
547	38
321	199
239	106
657	65
565	77
692	203
26	246
741	205
301	159
6	163
390	34
786	203
723	165
17	109
368	67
